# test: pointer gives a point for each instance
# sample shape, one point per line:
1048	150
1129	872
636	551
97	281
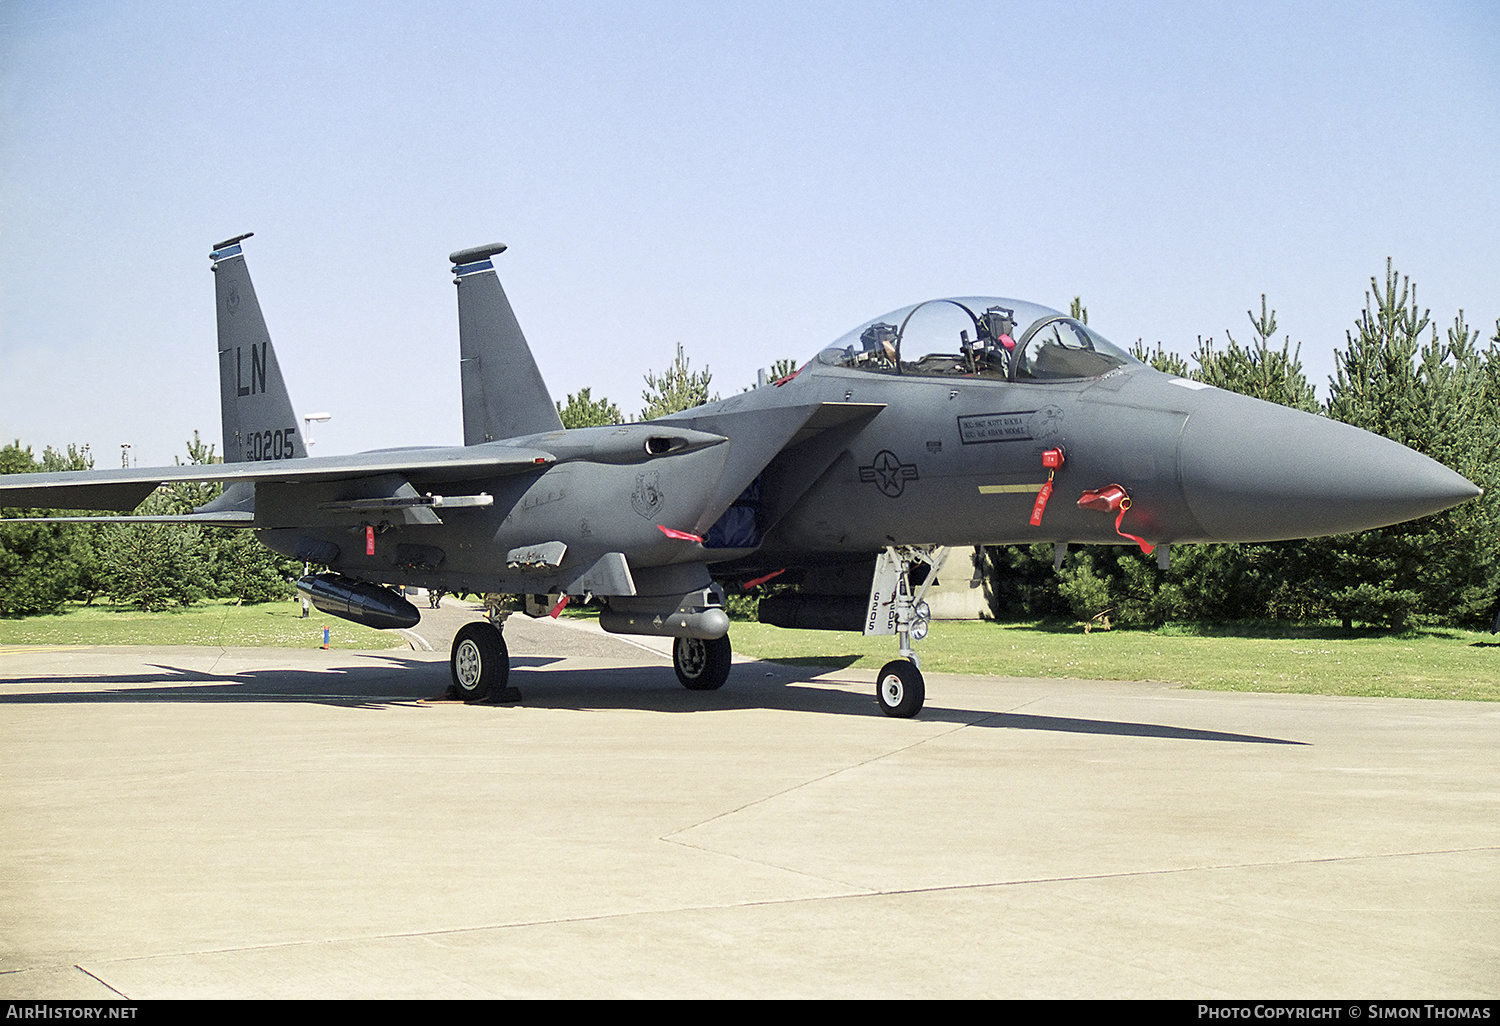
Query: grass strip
224	624
1449	664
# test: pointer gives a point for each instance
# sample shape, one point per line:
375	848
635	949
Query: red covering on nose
1109	499
1105	500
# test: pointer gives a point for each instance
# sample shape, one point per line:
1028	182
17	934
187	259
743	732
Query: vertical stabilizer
258	420
503	392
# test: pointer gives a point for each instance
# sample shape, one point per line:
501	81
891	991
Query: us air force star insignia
888	473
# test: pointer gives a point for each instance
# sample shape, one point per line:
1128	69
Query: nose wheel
900	689
479	665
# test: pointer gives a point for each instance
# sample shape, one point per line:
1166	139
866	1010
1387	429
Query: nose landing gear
900	689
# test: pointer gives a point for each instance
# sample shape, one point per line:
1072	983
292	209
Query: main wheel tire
479	662
702	665
900	689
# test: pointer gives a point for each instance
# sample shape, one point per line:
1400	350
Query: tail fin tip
219	250
474	254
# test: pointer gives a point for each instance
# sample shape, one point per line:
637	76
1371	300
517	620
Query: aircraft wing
759	434
125	489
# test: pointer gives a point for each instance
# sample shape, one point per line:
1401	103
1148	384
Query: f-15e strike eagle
953	422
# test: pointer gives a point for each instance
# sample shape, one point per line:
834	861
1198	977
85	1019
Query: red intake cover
1105	500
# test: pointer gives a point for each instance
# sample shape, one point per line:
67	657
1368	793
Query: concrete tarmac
179	822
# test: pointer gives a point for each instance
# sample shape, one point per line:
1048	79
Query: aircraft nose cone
1255	471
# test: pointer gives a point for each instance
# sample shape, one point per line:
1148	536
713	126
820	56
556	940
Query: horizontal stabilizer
228	518
125	489
83	489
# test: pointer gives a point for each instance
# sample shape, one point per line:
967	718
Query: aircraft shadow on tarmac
385	681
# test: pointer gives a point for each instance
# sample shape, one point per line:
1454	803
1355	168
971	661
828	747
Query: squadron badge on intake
647	497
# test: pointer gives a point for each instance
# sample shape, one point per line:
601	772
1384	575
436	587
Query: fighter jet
951	422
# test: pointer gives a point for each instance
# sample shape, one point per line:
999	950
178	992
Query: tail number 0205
272	445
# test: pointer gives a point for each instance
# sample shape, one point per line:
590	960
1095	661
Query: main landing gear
701	665
479	664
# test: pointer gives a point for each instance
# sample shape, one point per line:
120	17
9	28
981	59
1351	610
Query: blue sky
750	180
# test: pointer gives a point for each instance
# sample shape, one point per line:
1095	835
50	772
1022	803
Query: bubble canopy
977	336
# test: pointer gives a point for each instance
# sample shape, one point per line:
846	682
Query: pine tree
584	411
1019	581
153	566
186	496
675	389
1397	378
245	570
1257	370
1222	581
1375	378
784	367
44	565
1161	359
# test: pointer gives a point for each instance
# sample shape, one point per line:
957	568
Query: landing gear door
880	615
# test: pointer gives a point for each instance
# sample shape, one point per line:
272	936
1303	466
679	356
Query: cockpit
996	339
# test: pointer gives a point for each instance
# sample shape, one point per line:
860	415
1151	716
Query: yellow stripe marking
1003	489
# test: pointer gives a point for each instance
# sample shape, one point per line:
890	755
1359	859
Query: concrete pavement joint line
219	640
818	779
1014	709
426	646
244	696
592	627
631	641
855	888
766	903
102	983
